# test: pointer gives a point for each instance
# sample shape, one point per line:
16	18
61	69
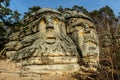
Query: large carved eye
42	25
42	21
78	27
55	20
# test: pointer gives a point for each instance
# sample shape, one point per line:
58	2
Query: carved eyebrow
59	18
43	17
53	17
78	24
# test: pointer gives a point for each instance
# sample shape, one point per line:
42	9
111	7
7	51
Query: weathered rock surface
54	42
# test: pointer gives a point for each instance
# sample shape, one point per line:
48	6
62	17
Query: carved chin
50	40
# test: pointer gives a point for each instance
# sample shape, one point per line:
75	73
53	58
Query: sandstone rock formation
54	42
82	31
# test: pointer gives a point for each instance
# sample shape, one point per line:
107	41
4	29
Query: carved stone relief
82	30
51	40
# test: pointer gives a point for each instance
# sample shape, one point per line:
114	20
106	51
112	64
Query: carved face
77	30
84	35
53	37
50	40
50	26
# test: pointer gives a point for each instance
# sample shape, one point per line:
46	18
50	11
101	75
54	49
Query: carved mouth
50	40
50	37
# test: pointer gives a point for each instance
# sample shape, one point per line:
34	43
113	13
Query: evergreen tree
80	9
107	12
8	20
31	10
61	9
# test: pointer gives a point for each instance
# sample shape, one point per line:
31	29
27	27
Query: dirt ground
9	71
